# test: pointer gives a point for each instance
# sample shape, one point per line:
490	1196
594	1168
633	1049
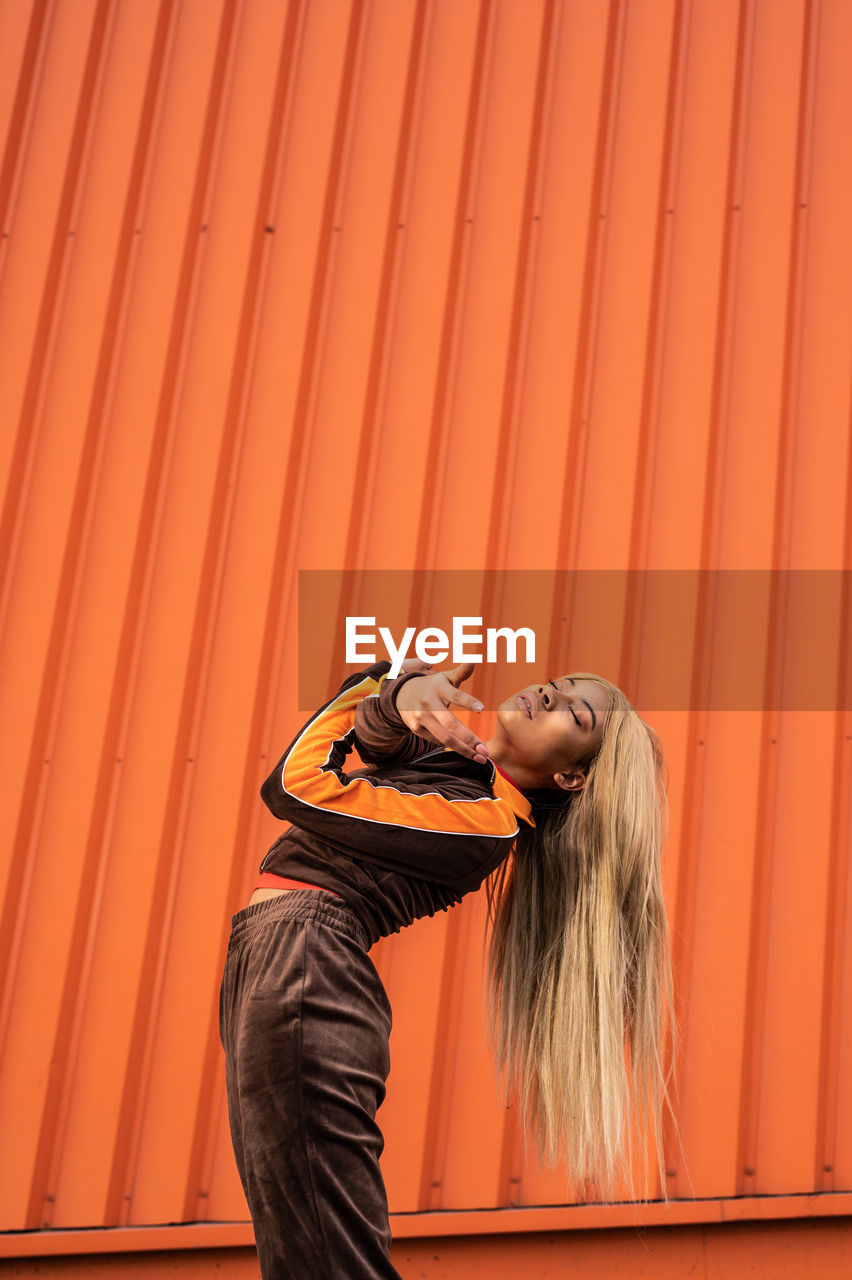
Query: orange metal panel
379	284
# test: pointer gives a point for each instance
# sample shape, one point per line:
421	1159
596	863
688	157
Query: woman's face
546	730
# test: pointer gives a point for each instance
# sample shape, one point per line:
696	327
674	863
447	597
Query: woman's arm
408	716
381	734
394	816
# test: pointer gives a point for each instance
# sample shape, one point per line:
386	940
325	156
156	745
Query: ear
570	780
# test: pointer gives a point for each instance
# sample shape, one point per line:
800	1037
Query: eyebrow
588	704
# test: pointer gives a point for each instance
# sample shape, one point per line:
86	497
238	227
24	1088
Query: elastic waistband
320	905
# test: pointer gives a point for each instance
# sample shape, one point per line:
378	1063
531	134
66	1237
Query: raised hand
424	704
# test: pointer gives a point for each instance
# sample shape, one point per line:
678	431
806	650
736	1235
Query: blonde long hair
579	972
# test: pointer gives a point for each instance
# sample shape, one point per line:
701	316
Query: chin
509	714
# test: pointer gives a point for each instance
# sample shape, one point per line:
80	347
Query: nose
547	696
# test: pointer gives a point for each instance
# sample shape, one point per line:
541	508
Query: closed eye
570	708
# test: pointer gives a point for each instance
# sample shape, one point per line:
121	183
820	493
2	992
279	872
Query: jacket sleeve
380	732
399	818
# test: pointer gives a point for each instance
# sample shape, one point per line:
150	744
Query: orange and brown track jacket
397	841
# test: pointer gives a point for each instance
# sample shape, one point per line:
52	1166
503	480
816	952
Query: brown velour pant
304	1021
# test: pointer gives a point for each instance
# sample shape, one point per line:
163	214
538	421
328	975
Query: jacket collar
505	789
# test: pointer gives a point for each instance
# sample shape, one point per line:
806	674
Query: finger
453	733
479	753
462	672
412	665
461	699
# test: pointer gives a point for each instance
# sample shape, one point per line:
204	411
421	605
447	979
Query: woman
571	781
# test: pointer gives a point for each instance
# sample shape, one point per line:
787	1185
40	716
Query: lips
528	703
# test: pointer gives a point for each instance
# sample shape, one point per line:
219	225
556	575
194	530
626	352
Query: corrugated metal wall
380	284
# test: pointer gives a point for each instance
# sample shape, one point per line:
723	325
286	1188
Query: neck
521	777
